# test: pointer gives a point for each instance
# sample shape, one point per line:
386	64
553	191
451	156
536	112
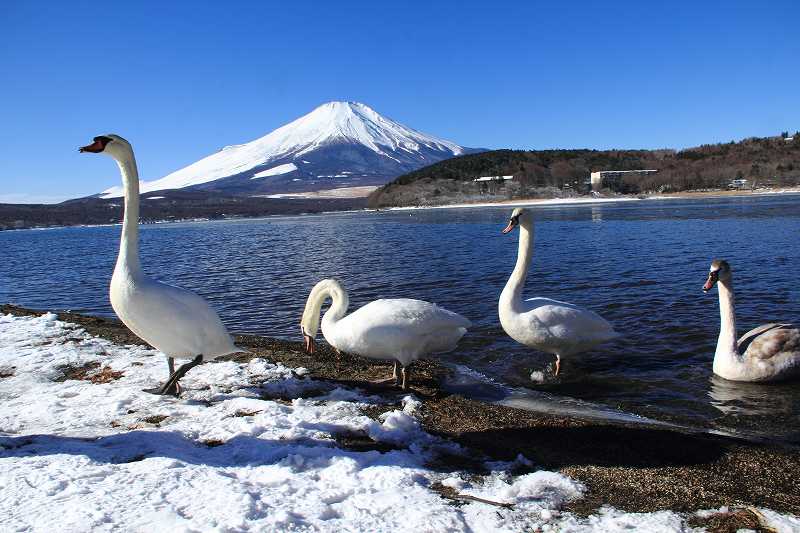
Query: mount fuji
338	144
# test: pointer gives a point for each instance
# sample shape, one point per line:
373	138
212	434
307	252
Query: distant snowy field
78	456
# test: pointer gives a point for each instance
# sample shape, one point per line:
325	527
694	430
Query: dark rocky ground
631	467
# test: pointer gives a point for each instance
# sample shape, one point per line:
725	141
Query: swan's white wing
572	327
175	321
400	329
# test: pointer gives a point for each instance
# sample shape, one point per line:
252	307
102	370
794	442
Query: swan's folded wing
179	322
552	312
744	341
401	312
779	339
564	319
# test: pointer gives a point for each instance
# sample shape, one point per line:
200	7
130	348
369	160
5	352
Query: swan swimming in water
767	353
554	327
176	322
401	330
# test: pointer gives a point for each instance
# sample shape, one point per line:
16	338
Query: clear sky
182	79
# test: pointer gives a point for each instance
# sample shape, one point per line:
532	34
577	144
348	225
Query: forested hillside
770	161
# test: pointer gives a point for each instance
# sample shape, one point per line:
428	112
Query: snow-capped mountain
338	144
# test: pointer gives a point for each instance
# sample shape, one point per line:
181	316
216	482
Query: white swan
559	328
402	330
174	321
767	353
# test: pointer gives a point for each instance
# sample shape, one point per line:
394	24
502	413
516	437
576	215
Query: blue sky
182	79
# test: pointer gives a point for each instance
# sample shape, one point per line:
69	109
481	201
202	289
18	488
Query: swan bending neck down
767	353
175	321
551	326
399	330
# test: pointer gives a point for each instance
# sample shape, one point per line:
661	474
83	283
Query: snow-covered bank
250	446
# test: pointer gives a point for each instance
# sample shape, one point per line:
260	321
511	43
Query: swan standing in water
402	330
559	328
174	321
767	353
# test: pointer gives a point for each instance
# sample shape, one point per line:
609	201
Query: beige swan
767	353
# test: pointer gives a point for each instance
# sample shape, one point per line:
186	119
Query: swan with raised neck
176	322
551	326
400	330
770	352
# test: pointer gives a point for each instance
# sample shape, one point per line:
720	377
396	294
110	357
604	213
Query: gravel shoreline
635	468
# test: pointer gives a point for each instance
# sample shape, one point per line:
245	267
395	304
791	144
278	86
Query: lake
640	264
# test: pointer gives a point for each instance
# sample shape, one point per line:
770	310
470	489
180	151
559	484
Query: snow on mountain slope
275	171
337	139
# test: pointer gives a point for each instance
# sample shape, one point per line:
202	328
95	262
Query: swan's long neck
512	293
322	291
128	258
727	350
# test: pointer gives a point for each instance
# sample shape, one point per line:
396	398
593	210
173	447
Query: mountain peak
362	134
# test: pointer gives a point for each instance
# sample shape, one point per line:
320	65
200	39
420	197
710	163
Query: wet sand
635	468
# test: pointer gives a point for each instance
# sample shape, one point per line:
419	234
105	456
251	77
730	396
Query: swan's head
110	144
720	271
518	216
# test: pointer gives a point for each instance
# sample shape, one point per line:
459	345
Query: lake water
640	264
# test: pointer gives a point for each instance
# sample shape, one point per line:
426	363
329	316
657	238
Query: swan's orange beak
711	281
97	146
511	225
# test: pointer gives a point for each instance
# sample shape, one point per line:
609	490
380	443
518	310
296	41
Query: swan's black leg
171	386
406	373
171	369
395	376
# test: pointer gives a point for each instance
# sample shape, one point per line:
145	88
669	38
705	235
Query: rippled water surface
639	264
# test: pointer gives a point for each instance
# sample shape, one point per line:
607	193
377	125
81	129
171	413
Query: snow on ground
249	446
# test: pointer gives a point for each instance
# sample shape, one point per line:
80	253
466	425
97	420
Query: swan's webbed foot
175	390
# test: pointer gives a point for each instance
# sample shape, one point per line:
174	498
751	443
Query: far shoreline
580	200
531	202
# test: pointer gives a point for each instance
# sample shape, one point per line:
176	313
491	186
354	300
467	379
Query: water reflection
734	398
